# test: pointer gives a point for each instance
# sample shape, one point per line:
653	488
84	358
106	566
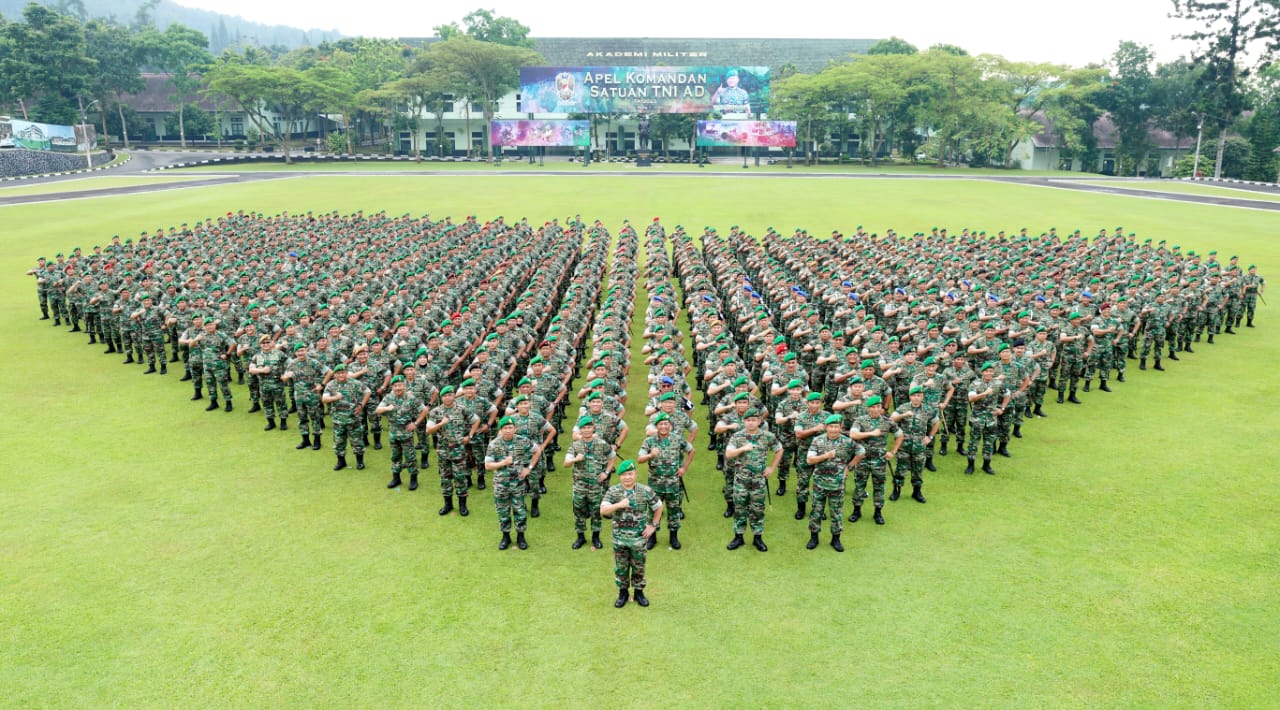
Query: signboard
548	133
46	136
773	134
634	90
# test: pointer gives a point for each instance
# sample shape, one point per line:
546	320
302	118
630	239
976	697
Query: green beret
524	381
597	395
752	412
834	419
741	396
857	380
397	378
519	399
915	390
795	383
339	368
295	347
1002	347
667	396
627	465
986	366
1074	315
536	359
469	382
813	396
788	357
872	400
586	421
505	421
868	363
661	418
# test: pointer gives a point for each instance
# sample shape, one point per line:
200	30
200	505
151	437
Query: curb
1230	181
327	158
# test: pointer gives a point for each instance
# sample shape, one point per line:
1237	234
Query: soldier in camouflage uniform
307	375
592	460
347	399
636	512
988	398
405	412
807	424
1077	346
1042	352
730	423
534	427
267	366
919	422
477	443
1253	285
668	457
870	431
785	415
215	348
150	322
453	425
509	457
1155	318
831	455
751	476
1106	329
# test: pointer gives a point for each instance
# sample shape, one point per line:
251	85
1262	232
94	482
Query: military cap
873	400
505	421
627	465
834	419
812	396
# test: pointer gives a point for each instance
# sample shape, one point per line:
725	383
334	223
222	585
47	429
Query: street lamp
84	121
1195	169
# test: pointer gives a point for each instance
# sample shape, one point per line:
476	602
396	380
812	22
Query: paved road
144	161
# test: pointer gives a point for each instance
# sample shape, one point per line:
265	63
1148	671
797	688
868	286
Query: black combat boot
1040	413
186	377
897	491
986	467
448	506
271	424
1186	348
640	598
1229	330
916	495
164	367
960	446
758	543
1060	397
342	463
1157	365
969	468
813	541
534	512
595	540
942	451
228	407
1211	338
129	360
395	481
719	462
480	481
462	506
1017	431
505	542
879	517
652	541
1173	355
782	486
425	459
800	510
856	515
213	404
1003	449
315	442
928	464
413	481
736	542
1142	364
364	438
174	357
1076	400
377	441
579	541
306	441
92	339
284	424
835	543
521	542
1119	377
1249	324
359	462
1103	386
1087	383
728	509
674	540
240	379
151	368
257	407
623	597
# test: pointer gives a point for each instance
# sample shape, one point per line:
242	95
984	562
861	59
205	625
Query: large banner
549	133
732	90
773	134
47	136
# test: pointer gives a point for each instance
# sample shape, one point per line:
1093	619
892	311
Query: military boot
813	541
1119	377
673	539
1003	449
505	542
782	486
1249	324
969	468
271	424
1061	398
521	542
897	491
1087	383
879	516
1229	330
359	462
595	540
719	462
986	467
640	598
942	450
623	597
758	543
395	480
1103	386
534	512
284	423
448	506
1072	397
579	541
377	441
228	407
186	377
652	541
164	367
151	368
306	441
1040	413
213	404
1211	338
728	509
928	464
341	464
1173	355
835	543
1142	364
1017	431
413	481
800	506
174	357
257	407
129	360
1157	365
480	481
462	506
960	446
425	459
856	515
916	495
736	542
315	443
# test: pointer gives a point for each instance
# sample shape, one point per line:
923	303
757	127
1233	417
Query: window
237	126
448	103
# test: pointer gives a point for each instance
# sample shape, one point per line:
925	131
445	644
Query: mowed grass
102	182
1184	188
154	554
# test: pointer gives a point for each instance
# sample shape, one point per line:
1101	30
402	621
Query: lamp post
1195	169
84	126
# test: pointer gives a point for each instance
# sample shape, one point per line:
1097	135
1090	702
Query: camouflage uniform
346	414
788	406
307	376
671	452
749	481
804	472
508	487
982	417
406	411
628	532
875	464
587	488
916	426
270	388
213	358
451	453
828	480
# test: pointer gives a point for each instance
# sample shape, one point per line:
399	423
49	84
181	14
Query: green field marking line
1182	188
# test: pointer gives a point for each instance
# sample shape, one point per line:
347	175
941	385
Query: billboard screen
47	136
548	133
736	90
773	134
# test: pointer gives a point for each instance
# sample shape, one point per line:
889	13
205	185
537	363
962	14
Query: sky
1076	33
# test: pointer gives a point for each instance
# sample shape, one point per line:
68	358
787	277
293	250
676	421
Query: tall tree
893	45
1226	30
483	71
874	89
483	25
1176	91
277	99
43	60
117	55
1130	101
182	53
1022	89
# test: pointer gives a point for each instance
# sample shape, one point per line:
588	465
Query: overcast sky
1074	33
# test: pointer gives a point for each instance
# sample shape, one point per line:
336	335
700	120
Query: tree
275	98
1130	100
874	88
117	56
1023	89
182	53
483	25
194	119
1226	30
951	106
1072	107
802	98
425	90
1263	129
43	60
481	71
893	45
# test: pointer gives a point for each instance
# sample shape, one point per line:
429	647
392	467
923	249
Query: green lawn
1188	188
96	182
153	554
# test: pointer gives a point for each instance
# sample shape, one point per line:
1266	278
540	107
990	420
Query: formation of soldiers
865	355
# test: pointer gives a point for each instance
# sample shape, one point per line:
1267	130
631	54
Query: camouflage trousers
984	432
508	499
1073	364
255	388
830	502
344	430
215	376
628	562
667	488
804	477
479	444
748	502
1212	320
911	457
1250	305
875	469
310	414
1154	338
272	398
153	347
403	457
953	420
790	447
371	423
1038	388
1100	360
586	506
729	473
1012	417
1118	355
453	473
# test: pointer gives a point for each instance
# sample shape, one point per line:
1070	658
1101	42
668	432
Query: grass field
90	183
153	554
1184	188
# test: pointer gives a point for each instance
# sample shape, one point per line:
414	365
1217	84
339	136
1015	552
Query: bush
336	142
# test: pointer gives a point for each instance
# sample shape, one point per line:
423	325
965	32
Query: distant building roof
1106	135
156	97
808	55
